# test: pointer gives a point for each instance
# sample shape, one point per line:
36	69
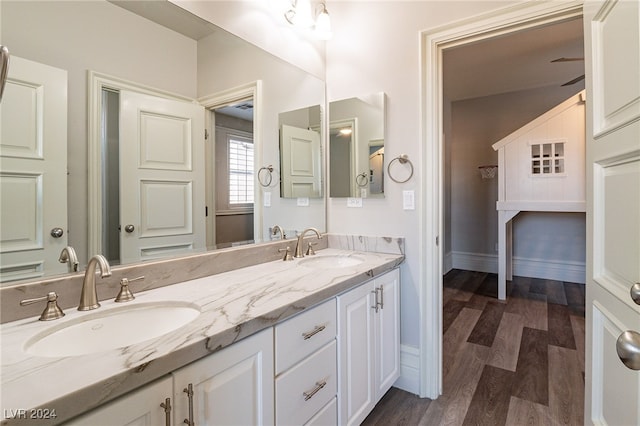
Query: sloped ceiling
515	62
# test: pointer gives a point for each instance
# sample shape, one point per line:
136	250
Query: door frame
96	83
432	44
252	90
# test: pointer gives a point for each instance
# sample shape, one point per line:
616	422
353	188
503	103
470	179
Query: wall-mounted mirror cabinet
103	135
356	146
301	153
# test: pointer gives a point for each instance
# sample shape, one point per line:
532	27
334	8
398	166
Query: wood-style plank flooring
513	362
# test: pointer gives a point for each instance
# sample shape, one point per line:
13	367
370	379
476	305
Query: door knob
635	293
57	232
129	228
628	348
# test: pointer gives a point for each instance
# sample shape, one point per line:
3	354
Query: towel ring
269	177
402	159
361	180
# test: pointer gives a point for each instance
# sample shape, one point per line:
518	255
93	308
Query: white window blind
240	171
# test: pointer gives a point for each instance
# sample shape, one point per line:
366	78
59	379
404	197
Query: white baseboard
535	268
447	263
409	370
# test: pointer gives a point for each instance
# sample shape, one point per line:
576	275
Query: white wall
376	47
98	36
476	125
284	88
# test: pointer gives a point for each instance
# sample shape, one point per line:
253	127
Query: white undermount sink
331	261
114	328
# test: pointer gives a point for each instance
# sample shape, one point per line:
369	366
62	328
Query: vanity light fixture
323	23
300	15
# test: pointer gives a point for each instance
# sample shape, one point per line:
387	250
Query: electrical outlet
354	202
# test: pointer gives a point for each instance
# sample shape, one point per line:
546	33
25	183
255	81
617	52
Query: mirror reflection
301	153
356	147
167	193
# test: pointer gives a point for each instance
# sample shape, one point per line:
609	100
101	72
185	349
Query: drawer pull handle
189	391
167	411
316	330
319	385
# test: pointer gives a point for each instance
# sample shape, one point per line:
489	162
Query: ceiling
514	62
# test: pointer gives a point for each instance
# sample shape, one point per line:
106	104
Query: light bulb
323	24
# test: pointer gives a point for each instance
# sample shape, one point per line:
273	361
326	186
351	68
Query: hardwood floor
513	362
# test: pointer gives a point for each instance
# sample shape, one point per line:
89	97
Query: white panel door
357	354
301	162
33	170
162	175
141	407
387	332
612	48
231	387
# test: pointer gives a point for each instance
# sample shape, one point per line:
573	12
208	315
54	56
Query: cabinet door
387	332
137	408
356	358
230	387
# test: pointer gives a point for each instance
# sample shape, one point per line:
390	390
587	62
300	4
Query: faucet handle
310	250
287	253
125	294
52	311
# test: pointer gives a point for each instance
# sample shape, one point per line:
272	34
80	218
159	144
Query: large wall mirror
356	146
103	148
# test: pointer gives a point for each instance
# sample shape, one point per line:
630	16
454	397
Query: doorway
234	165
434	43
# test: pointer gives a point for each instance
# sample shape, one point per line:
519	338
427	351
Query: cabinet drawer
298	392
327	416
302	335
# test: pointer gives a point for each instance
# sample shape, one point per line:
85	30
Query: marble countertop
233	305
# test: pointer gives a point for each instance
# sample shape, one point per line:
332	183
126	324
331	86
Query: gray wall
476	124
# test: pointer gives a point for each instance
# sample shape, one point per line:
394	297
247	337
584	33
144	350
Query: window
547	158
240	170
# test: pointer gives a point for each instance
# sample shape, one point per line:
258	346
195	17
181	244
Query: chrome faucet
298	252
68	255
89	296
276	229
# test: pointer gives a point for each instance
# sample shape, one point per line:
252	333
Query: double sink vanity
234	336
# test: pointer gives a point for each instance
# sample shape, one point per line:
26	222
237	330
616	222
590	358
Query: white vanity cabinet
328	365
231	387
141	407
306	367
369	341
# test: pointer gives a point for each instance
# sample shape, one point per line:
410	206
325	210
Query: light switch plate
354	202
303	201
266	199
408	200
